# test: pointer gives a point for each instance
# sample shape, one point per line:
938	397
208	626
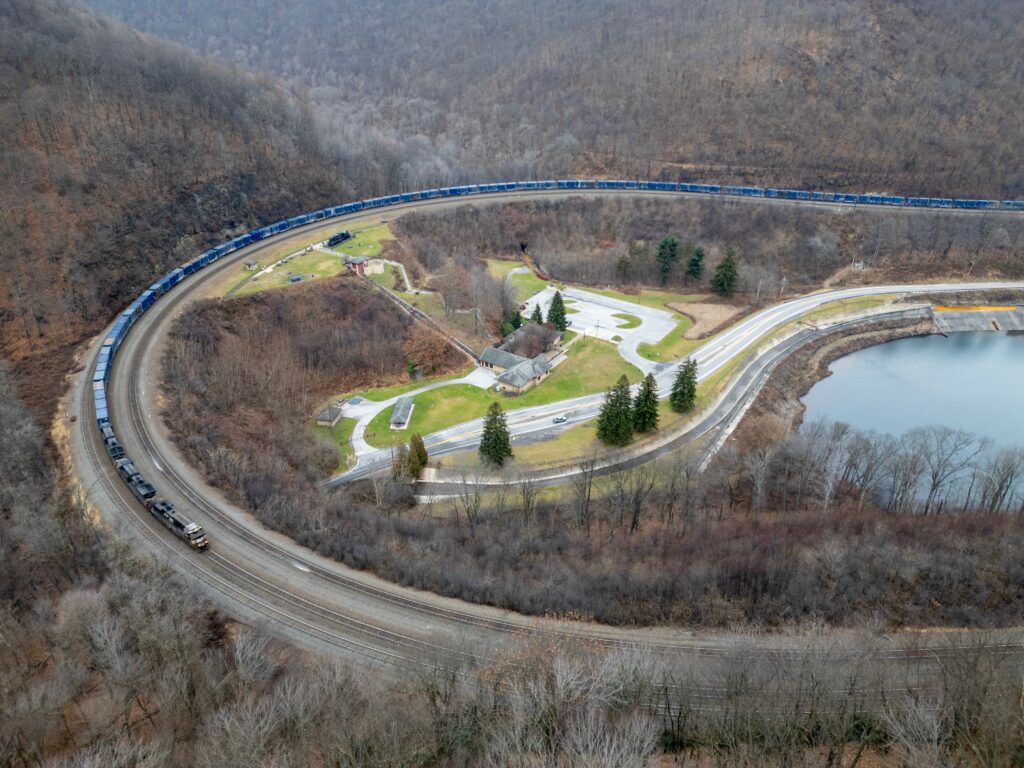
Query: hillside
120	155
916	97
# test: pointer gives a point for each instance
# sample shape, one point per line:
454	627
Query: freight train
191	532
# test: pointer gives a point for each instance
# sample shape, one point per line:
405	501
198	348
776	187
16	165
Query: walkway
366	410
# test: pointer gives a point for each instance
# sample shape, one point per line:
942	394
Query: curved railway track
264	577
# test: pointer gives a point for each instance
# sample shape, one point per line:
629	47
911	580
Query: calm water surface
970	381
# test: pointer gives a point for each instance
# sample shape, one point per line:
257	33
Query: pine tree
695	266
517	320
556	312
668	255
684	388
401	468
537	316
724	280
645	406
495	445
418	456
615	422
624	268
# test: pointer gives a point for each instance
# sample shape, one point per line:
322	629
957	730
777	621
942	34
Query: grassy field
314	265
269	257
340	434
366	242
380	394
628	321
525	284
650	298
389	278
673	346
498	268
591	366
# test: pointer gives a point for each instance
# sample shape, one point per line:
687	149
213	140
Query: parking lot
595	315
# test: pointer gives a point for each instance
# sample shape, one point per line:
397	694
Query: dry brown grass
707	317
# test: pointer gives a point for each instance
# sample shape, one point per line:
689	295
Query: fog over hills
915	97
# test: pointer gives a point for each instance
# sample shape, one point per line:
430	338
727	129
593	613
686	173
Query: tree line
776	249
623	414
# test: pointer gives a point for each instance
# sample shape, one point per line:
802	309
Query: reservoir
969	381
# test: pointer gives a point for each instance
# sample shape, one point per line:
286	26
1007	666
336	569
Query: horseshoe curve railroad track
260	576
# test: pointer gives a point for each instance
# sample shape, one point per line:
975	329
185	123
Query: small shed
330	415
358	263
402	413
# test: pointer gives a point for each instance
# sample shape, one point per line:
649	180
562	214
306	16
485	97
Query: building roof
523	373
402	411
545	333
495	356
331	413
356	259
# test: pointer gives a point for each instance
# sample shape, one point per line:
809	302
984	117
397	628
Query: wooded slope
121	155
919	97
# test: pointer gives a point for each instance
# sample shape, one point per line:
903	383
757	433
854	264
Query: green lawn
628	321
341	435
578	441
380	394
366	242
673	346
592	366
526	285
312	266
390	278
498	268
269	257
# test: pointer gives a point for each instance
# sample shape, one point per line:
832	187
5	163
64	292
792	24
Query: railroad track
311	605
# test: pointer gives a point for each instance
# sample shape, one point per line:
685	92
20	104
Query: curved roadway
260	576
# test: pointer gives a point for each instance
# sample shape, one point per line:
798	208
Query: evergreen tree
684	388
645	406
401	467
517	320
695	266
615	422
495	445
537	315
556	312
668	255
723	282
624	268
418	456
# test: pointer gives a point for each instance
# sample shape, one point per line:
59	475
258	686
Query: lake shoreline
782	395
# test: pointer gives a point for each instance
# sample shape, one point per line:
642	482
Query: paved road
259	576
717	352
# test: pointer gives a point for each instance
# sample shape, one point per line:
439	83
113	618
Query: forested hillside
912	97
121	155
